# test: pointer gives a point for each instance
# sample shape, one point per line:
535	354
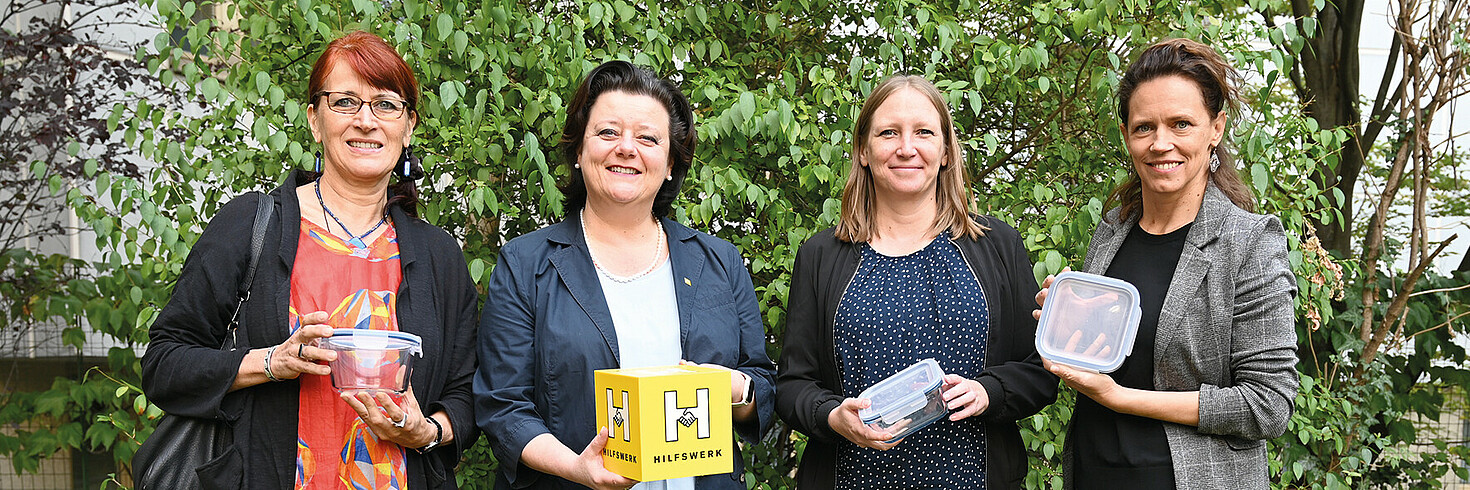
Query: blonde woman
911	273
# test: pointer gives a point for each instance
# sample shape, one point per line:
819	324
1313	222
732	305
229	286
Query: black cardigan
809	383
185	373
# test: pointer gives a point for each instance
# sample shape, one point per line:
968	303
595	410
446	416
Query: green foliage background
775	87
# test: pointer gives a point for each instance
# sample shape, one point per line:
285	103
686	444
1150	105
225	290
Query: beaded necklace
354	240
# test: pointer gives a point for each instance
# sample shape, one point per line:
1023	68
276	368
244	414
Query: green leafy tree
775	86
58	80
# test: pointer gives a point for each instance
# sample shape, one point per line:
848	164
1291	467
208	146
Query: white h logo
617	418
675	415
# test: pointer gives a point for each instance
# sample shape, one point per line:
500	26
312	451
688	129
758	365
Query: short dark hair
622	76
1217	82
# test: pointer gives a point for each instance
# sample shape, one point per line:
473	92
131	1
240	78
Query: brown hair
953	192
381	67
1217	82
622	76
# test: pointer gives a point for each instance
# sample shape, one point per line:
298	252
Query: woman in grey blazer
1212	371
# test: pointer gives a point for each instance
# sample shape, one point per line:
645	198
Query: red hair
372	59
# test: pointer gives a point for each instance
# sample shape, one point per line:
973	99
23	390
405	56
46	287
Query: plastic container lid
907	401
364	339
1089	321
372	360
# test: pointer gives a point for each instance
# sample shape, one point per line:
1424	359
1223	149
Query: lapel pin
687	283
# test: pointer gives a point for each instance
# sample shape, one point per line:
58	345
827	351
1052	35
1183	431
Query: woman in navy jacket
614	285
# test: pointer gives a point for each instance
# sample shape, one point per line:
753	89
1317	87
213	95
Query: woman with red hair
344	249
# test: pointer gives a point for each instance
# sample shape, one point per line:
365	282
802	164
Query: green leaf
461	41
1054	262
1259	179
209	88
477	268
448	94
443	25
262	82
595	13
747	106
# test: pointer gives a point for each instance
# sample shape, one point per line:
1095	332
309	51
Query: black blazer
185	373
809	384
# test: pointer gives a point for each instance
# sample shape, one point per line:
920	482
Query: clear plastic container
372	360
907	401
1089	321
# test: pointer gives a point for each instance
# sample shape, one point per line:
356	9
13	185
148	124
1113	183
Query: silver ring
399	423
299	352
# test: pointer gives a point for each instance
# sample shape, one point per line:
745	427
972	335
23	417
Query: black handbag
169	459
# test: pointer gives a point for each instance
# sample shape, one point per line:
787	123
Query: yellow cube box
665	421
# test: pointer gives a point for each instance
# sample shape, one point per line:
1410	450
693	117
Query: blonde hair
953	190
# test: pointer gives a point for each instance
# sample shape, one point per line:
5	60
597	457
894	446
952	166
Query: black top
186	373
808	380
1114	449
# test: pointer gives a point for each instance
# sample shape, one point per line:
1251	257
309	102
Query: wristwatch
438	436
748	396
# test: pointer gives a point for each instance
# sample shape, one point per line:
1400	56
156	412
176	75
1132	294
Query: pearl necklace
657	253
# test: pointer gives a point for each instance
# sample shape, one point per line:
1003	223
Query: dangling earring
1214	161
407	155
318	162
411	168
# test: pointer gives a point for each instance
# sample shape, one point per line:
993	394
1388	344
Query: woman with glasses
344	249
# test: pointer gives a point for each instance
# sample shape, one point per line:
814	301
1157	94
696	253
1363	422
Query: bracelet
438	436
268	353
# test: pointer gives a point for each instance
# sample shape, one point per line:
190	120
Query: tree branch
1401	300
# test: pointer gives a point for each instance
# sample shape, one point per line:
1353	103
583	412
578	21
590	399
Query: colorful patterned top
359	287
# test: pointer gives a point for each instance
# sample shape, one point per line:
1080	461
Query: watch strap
749	394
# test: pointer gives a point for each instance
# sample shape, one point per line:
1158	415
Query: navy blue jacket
546	328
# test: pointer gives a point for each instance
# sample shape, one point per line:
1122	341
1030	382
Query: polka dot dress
898	311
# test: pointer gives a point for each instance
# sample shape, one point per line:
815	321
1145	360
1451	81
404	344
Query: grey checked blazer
1227	329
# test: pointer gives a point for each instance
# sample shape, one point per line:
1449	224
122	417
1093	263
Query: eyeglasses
348	104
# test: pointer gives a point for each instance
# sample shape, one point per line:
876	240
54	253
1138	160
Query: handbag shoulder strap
265	207
263	213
